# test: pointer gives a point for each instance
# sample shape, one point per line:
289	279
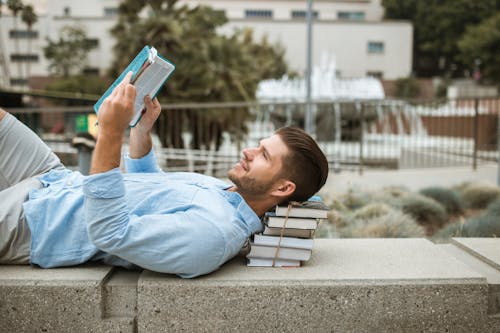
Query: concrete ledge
349	285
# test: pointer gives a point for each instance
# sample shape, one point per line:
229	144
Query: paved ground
413	179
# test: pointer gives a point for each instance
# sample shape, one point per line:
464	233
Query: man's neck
259	205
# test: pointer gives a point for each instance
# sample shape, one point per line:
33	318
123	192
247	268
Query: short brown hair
305	164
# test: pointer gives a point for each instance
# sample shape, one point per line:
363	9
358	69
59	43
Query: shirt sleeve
167	243
144	164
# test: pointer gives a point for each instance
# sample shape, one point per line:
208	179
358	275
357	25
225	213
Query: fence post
497	109
361	110
476	133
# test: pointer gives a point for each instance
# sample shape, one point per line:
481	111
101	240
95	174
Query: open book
151	71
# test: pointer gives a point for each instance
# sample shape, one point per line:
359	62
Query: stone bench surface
348	285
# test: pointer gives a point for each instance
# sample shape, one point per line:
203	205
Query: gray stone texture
349	285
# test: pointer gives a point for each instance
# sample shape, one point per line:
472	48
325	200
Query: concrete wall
349	285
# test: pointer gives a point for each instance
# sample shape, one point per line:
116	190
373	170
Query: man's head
288	166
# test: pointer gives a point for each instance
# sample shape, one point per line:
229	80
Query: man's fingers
128	77
120	88
130	92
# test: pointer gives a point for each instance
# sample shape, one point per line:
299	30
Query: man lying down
180	223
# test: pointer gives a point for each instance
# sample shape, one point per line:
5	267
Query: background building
350	31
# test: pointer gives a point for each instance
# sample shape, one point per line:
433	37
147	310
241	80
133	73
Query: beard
250	186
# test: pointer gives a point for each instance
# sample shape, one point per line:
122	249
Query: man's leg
22	153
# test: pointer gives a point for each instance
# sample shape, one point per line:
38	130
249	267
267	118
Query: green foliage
438	26
372	210
395	224
407	88
479	196
426	211
355	199
79	84
15	6
210	67
485	225
391	196
448	198
68	54
449	231
28	16
482	42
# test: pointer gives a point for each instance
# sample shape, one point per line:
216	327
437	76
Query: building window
302	14
376	47
17	57
90	71
110	11
67	11
351	16
92	42
23	34
375	74
259	13
18	82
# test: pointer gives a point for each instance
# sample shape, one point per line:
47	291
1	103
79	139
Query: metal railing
208	137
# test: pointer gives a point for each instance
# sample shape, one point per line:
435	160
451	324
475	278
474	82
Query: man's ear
284	188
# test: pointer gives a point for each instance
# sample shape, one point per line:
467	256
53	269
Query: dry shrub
449	198
394	224
372	210
479	196
426	211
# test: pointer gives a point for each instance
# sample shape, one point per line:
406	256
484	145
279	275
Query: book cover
287	253
274	221
310	209
298	243
288	232
151	71
265	262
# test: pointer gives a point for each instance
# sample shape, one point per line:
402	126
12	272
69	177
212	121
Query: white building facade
350	31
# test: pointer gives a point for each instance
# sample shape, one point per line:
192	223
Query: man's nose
249	153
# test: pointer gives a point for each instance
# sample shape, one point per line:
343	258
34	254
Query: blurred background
381	84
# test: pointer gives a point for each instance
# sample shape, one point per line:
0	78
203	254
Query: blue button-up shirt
181	223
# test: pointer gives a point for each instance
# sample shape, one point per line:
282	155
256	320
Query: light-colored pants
23	156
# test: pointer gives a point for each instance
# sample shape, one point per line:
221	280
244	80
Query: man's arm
113	117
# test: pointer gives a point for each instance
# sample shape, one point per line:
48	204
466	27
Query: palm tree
15	6
3	62
29	17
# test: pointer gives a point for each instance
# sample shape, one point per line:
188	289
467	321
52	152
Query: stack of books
288	236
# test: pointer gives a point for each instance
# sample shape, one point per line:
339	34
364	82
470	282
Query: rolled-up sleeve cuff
147	163
105	185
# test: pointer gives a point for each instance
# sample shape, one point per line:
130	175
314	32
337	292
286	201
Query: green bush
494	208
451	230
372	210
407	88
325	230
479	196
392	195
395	224
339	218
485	225
355	199
450	199
426	211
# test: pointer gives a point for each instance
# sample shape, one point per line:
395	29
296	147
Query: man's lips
244	164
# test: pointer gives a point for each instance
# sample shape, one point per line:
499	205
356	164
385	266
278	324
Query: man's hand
117	110
140	135
113	118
